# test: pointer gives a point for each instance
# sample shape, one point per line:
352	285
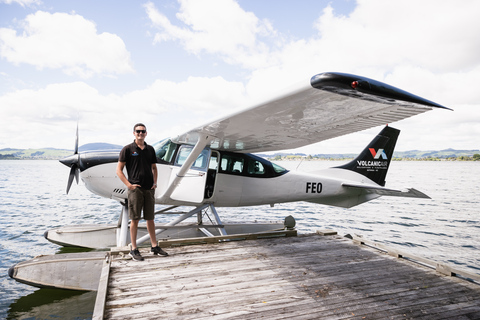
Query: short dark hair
139	125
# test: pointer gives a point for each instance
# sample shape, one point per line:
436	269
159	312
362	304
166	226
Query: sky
177	64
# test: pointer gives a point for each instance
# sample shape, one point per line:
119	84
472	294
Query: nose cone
70	160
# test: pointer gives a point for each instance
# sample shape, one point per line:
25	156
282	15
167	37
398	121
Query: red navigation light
354	84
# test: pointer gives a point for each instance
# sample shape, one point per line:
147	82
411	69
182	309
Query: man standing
140	161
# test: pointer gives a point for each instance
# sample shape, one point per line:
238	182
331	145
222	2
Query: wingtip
350	84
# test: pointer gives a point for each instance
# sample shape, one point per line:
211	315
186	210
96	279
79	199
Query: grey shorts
139	199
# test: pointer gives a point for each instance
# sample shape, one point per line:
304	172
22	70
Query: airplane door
192	185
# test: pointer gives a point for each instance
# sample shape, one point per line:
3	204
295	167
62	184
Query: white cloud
438	35
50	114
228	30
23	3
65	41
201	94
382	40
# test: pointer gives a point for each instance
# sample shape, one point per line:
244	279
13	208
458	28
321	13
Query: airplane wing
331	105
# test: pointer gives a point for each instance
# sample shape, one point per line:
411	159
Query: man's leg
135	203
133	233
149	215
151	232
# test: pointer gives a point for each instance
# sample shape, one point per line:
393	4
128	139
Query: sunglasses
141	131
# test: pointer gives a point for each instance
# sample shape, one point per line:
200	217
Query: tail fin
374	160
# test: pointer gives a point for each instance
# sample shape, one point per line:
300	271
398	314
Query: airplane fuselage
226	179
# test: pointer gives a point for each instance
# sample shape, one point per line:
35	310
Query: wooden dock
304	277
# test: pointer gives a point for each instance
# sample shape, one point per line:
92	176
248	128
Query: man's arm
155	175
122	176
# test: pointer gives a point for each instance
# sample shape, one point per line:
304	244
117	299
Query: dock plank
304	277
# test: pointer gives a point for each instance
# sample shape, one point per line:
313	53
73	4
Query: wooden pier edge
101	299
439	267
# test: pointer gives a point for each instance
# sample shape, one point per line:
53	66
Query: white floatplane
213	166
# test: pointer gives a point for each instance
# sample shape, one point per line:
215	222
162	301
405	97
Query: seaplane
215	165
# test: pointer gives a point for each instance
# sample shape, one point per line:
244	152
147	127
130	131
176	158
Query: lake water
32	193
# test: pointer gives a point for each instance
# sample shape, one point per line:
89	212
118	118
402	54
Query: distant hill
52	153
45	153
442	154
412	154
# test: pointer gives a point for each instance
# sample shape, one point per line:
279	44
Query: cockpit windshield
164	150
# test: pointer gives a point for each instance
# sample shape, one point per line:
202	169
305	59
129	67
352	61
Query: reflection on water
53	304
445	228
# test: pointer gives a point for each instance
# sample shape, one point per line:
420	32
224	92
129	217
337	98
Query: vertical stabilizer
374	160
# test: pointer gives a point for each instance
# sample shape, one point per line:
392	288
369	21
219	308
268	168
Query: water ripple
444	229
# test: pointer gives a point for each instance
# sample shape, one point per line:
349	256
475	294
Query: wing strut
199	146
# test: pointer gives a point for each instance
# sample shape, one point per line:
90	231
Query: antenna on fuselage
296	169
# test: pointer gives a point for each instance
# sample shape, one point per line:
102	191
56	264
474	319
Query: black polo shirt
139	164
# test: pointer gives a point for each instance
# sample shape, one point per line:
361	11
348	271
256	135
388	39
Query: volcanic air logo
374	165
378	154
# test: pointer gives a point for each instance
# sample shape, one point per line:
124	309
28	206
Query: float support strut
122	237
219	222
174	222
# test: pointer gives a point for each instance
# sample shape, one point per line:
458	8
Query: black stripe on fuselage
95	158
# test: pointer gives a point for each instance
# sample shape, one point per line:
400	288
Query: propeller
73	162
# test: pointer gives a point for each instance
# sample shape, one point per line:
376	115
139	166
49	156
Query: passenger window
224	164
213	161
255	167
238	166
183	154
278	169
232	164
201	161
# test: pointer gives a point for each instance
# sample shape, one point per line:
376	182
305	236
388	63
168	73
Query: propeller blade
73	162
73	170
76	142
77	173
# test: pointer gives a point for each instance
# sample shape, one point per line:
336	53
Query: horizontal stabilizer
410	193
